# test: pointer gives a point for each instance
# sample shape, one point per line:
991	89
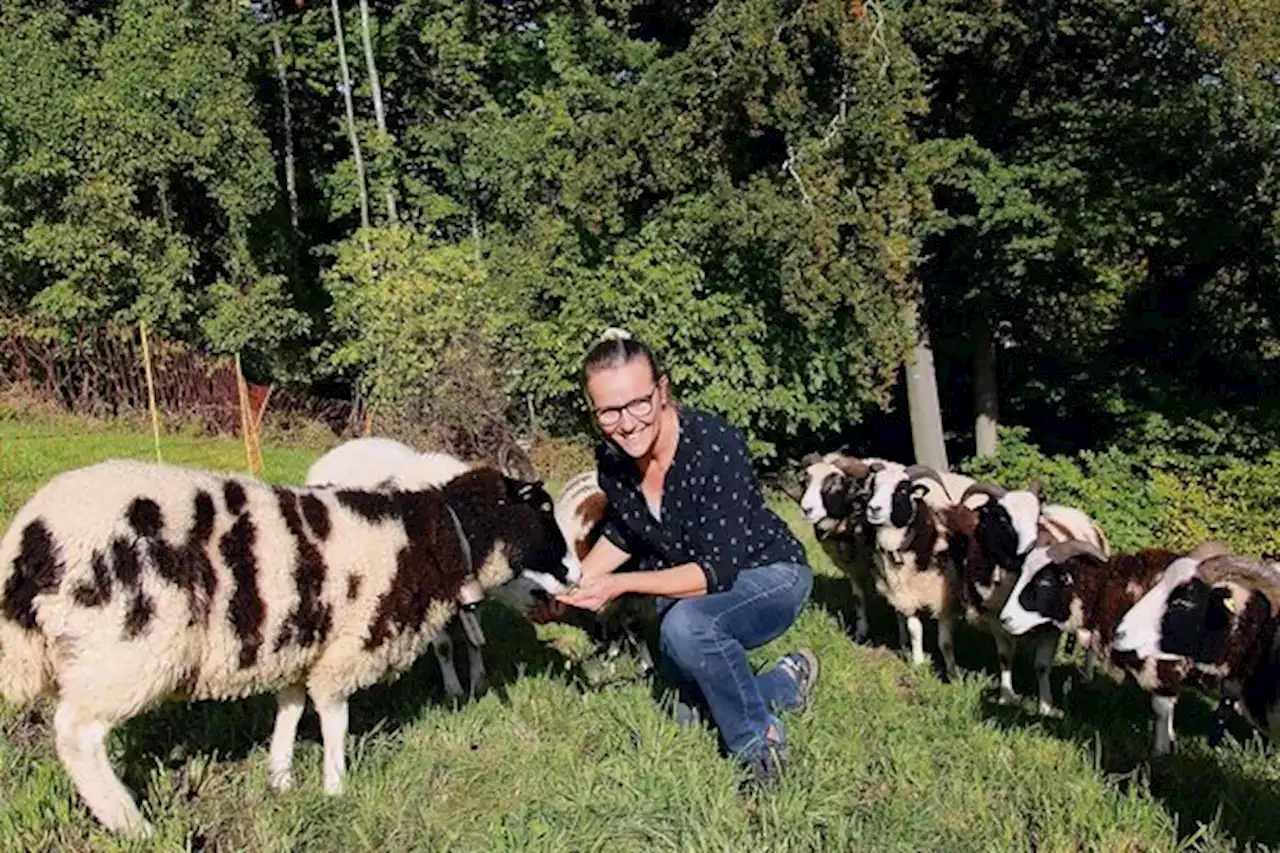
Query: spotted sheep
835	492
125	583
992	530
912	556
833	498
580	512
1210	624
381	463
1074	586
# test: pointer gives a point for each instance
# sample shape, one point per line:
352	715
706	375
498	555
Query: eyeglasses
640	408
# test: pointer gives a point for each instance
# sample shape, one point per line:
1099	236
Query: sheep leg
333	728
290	703
81	743
947	643
861	627
1045	646
442	646
1004	654
1090	642
916	629
475	657
1163	707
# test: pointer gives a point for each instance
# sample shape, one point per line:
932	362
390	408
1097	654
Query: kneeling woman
726	572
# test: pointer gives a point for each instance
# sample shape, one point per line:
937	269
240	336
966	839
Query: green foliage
1154	498
417	320
135	167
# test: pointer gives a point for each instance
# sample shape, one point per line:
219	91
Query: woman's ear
664	389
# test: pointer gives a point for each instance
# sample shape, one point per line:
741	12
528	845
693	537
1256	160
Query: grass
567	753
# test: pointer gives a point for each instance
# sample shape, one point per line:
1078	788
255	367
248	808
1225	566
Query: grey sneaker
768	765
802	666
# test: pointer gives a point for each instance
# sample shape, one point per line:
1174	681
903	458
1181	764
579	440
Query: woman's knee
684	634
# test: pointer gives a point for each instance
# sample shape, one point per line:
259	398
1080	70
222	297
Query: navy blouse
713	511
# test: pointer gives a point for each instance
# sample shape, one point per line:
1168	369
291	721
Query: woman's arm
604	558
687	580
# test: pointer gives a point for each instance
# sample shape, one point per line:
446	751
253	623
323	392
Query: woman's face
628	405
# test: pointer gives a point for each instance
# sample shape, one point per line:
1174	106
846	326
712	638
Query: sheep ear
1228	600
919	490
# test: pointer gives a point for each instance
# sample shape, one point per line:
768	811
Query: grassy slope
566	753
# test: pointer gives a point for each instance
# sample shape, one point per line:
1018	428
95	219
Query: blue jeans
703	644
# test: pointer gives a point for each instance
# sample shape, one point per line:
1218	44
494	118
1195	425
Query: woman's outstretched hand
594	593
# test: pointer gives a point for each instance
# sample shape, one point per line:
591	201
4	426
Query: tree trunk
922	396
286	106
378	112
985	390
351	114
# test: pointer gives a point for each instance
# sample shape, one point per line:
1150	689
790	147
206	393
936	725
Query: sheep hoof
1007	697
1051	712
282	781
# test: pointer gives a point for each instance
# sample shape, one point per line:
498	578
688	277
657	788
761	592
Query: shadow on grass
232	730
1113	721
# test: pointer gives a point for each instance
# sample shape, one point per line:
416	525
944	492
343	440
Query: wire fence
99	371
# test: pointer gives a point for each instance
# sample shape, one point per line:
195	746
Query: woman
726	572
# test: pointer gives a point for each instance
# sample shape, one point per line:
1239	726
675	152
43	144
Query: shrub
1151	498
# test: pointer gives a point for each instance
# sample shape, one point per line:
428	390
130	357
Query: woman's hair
615	348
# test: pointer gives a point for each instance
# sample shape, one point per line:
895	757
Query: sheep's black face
1196	622
535	545
998	537
903	508
842	496
1049	593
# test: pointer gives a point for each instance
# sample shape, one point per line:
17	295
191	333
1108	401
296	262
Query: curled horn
917	472
1210	549
991	490
855	468
876	466
1063	551
515	463
810	459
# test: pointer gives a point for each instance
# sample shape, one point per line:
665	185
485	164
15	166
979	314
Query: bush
1150	498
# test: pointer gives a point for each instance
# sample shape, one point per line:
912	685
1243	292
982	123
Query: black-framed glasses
641	408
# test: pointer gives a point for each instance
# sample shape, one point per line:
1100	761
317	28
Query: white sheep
912	561
125	582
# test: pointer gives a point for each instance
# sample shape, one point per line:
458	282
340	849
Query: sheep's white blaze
883	484
811	502
1024	512
1139	630
1015	618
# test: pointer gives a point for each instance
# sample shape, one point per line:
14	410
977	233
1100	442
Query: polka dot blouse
712	508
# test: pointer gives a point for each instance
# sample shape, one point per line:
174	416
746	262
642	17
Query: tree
351	115
376	87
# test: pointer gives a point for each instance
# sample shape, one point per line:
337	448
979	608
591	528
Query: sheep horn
855	468
810	459
991	490
1208	550
1063	551
916	472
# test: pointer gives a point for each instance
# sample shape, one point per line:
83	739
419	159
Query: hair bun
613	333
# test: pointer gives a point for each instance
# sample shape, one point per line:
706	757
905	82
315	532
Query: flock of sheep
126	583
945	545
